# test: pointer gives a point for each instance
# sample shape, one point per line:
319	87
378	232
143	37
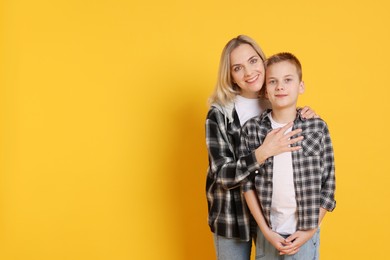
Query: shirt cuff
328	204
248	186
251	163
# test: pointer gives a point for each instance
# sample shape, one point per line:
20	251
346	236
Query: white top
247	108
284	206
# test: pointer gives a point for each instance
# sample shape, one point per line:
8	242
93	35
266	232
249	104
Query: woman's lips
251	80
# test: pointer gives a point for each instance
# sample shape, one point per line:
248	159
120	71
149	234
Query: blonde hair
225	90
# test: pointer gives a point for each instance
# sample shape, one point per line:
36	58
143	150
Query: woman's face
247	70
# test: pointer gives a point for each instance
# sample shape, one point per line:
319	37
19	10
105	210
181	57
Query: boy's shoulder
255	123
312	124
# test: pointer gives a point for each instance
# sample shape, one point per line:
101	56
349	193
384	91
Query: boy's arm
254	207
328	202
274	238
300	237
328	184
322	215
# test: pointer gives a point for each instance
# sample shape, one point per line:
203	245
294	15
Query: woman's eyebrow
254	56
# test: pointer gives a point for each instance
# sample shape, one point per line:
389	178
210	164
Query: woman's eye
236	68
253	61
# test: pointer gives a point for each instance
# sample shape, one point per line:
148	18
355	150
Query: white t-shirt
247	108
284	206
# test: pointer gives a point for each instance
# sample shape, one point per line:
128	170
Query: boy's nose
279	86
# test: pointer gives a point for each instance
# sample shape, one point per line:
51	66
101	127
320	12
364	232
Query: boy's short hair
285	56
279	57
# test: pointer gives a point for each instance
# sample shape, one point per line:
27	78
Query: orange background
102	109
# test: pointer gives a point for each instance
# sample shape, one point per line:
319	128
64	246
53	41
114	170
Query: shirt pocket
311	144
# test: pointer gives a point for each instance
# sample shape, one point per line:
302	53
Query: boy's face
283	85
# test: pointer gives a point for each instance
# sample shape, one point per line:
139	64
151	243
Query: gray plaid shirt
229	215
313	167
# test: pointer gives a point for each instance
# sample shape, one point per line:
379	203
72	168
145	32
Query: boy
292	191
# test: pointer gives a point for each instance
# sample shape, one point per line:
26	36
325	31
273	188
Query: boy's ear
301	87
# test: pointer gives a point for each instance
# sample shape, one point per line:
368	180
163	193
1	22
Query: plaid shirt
229	215
313	167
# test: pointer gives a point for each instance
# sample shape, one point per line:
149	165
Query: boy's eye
271	82
287	80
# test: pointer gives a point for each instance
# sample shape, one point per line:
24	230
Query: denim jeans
266	251
232	248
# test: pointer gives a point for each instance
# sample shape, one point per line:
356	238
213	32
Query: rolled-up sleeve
328	180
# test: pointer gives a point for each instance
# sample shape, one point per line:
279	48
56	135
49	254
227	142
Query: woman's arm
276	142
228	170
307	112
221	152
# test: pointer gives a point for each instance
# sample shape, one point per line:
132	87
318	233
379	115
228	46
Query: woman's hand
276	142
307	113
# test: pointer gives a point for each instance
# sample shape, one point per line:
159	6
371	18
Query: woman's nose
248	72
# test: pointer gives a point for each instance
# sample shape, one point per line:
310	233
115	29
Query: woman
234	101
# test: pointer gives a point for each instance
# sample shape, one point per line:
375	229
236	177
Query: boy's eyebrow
248	60
288	75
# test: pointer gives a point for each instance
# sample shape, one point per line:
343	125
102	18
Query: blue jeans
232	248
266	251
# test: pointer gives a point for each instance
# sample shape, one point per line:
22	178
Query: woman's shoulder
221	111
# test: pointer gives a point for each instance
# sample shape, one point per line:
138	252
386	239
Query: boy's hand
277	241
299	238
307	113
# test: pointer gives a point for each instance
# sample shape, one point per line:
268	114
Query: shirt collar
266	115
